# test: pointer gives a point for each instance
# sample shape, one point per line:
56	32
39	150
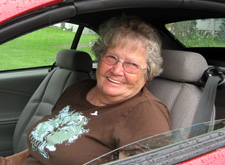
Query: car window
199	33
36	49
87	40
161	140
39	48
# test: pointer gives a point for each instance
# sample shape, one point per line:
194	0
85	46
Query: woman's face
113	81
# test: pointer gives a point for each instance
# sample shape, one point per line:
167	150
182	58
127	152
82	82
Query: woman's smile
114	81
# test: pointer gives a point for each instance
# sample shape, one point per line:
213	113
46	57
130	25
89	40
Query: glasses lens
110	60
130	67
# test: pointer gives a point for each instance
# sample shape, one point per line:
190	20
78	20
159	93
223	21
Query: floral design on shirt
67	126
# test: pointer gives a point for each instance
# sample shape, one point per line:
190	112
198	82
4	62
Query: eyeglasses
128	66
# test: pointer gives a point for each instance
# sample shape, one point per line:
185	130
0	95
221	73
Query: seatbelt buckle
212	71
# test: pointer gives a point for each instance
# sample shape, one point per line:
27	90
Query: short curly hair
134	28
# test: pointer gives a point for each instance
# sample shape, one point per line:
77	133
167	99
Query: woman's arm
122	155
16	159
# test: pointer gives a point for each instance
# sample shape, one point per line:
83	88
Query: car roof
90	12
94	12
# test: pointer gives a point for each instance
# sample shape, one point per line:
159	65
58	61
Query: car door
197	144
16	88
24	64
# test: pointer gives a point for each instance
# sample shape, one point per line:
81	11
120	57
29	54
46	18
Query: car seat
72	66
176	85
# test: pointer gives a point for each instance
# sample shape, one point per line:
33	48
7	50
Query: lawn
39	48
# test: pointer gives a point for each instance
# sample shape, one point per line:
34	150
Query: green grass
38	48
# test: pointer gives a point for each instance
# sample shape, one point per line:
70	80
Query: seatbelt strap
205	107
52	67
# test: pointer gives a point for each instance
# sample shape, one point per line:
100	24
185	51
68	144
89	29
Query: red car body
214	157
10	10
15	8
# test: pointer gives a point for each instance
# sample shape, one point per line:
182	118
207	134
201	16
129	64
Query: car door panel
16	88
220	104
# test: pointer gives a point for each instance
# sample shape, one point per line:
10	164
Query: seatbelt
214	77
52	67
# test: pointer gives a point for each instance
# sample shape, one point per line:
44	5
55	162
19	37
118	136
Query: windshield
159	141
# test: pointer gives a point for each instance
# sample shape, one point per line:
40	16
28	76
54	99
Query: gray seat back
71	66
175	86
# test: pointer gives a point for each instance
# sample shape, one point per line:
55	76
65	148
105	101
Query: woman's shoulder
150	108
145	96
147	103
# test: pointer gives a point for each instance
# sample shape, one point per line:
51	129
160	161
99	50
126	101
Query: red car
33	32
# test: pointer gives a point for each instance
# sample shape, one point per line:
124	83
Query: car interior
72	66
29	94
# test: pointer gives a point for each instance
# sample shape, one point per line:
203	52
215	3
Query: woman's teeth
114	81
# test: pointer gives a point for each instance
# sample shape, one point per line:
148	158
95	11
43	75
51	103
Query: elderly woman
92	117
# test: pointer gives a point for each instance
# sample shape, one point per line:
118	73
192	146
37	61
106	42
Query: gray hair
134	28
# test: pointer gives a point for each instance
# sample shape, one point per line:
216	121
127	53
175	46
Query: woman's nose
118	68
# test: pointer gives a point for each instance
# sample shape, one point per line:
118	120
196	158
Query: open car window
160	141
199	33
39	48
35	49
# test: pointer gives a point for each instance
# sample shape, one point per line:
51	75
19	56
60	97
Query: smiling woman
114	83
117	109
94	117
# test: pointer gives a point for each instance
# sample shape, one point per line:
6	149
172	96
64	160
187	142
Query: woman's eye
133	64
112	57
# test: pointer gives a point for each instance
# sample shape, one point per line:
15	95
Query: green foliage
204	35
203	40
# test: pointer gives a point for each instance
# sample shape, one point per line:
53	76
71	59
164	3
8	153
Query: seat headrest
74	60
183	66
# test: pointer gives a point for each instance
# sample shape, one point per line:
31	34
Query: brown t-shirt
78	131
